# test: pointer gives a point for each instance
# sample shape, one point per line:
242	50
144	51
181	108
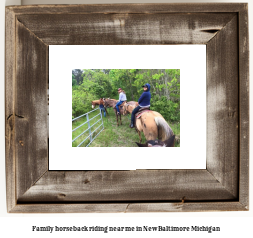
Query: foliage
74	82
77	75
92	84
168	109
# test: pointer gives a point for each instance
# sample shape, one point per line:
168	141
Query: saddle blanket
138	115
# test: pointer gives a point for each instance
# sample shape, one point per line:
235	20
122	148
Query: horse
129	107
96	103
157	143
151	123
112	103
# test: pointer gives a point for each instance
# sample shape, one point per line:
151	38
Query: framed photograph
166	85
45	43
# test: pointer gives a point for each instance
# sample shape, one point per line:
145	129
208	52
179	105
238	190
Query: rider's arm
141	98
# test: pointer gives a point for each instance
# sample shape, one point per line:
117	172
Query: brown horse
109	102
96	103
151	123
112	103
129	107
157	143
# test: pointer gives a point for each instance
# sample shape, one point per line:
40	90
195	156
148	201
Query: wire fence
87	134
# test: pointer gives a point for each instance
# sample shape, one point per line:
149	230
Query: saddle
141	111
121	106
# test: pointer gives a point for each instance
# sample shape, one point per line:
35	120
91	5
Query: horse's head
129	107
93	104
157	143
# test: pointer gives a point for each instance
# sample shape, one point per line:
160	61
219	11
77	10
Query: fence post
87	117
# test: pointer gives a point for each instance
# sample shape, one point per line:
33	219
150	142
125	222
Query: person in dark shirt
101	106
144	102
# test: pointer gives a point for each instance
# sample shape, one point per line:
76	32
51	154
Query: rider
122	98
144	101
101	106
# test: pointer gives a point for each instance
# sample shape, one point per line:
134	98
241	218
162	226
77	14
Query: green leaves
97	83
169	109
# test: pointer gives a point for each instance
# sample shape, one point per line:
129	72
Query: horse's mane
111	99
131	104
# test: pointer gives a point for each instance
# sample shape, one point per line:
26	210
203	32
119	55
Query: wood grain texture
30	108
244	106
222	107
129	8
222	187
129	207
9	109
139	185
131	29
186	207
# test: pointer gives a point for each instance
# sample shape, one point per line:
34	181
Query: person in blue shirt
144	101
122	98
101	106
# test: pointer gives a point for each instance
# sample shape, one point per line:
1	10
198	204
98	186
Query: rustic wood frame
223	186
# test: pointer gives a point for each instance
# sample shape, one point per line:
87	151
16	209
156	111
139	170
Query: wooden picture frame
222	186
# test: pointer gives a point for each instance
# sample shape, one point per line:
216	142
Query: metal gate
89	129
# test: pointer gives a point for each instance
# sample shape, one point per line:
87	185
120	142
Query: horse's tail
164	130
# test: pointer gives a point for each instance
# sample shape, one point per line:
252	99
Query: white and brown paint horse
151	123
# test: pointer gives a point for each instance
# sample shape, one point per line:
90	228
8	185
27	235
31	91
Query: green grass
112	135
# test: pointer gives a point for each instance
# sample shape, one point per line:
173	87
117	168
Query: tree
98	83
78	75
73	80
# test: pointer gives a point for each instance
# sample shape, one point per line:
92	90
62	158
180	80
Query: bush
168	109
